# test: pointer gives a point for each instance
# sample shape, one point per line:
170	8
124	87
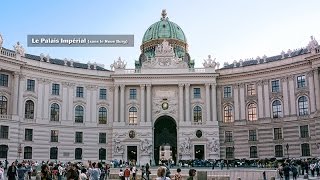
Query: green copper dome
164	29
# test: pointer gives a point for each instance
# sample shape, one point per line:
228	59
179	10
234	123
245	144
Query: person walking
12	172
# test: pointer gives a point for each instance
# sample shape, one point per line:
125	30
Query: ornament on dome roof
164	15
19	49
313	45
119	64
283	54
209	63
289	52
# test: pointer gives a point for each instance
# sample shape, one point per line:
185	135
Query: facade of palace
52	109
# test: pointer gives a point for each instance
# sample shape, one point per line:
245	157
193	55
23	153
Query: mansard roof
268	59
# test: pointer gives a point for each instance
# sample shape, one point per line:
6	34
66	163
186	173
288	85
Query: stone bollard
273	178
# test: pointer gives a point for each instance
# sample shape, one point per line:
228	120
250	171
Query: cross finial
163	14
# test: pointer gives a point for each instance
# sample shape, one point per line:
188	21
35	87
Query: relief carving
185	146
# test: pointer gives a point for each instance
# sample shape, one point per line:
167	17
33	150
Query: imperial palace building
52	109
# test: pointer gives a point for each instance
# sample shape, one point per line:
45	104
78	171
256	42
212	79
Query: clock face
165	106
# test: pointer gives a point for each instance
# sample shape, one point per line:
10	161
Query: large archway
165	133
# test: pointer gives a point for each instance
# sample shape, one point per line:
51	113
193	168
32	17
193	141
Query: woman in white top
83	175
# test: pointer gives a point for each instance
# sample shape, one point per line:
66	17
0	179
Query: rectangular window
79	137
56	89
229	152
251	89
79	92
103	138
54	135
305	149
253	152
196	93
103	94
278	149
227	92
30	85
252	135
4	80
304	131
28	134
4	132
133	94
275	86
228	136
301	81
277	133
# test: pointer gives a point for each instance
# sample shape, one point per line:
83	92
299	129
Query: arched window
27	152
54	112
3	151
197	114
133	117
102	115
252	112
54	153
303	106
78	115
227	111
102	154
29	110
276	109
3	105
78	153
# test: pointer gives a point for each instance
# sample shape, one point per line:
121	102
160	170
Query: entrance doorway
165	134
132	153
199	152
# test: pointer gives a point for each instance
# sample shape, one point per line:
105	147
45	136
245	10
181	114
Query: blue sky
228	30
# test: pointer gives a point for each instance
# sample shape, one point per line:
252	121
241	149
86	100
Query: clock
165	106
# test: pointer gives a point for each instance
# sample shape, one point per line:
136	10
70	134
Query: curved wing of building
163	109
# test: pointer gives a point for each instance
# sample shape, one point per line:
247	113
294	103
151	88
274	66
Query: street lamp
287	147
6	149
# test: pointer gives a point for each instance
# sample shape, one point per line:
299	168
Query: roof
61	62
268	59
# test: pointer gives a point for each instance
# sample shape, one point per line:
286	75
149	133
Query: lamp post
6	149
287	147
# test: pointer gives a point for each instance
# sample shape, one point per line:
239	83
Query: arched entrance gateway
165	139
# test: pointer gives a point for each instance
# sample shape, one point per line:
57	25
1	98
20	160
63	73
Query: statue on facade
1	41
209	63
185	146
19	49
145	146
119	64
313	44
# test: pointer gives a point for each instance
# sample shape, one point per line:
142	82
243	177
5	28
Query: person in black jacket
12	172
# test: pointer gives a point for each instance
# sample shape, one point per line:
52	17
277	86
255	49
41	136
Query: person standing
148	172
127	173
286	172
1	173
161	173
192	173
178	176
12	172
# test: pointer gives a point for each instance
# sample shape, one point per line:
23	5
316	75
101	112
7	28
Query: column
149	102
292	96
15	89
116	103
236	102
64	107
181	102
22	88
219	103
214	101
317	87
242	102
40	98
71	92
88	104
312	93
284	81
94	110
122	87
208	102
266	98
260	99
46	100
142	99
187	102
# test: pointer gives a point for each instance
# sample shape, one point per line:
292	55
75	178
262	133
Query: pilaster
142	106
187	102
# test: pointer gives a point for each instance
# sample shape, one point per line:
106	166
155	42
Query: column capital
180	85
284	79
148	85
142	86
259	83
291	77
310	73
122	86
213	84
207	84
241	85
265	81
235	86
111	88
187	84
